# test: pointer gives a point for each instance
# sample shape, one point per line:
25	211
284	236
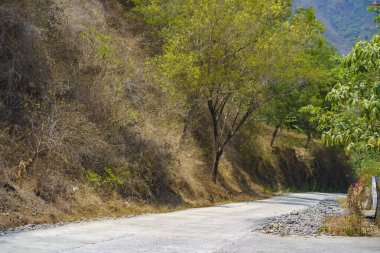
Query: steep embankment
84	134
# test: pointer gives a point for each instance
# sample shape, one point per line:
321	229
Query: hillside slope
345	20
84	134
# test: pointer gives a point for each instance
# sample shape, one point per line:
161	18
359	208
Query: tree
353	116
350	116
233	56
285	111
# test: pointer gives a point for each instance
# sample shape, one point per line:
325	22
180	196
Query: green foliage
352	118
234	55
287	110
102	42
94	178
366	164
110	177
239	45
157	13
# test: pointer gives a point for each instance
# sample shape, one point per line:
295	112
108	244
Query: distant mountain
345	20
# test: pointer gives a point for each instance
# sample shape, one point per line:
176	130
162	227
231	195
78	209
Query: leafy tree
285	111
233	56
353	117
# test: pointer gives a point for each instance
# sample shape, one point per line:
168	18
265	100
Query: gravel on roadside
307	222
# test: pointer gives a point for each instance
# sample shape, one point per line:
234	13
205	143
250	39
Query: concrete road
226	228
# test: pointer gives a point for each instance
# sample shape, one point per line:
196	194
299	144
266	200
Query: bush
366	164
356	197
113	178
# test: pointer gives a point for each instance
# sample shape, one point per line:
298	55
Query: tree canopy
233	55
352	116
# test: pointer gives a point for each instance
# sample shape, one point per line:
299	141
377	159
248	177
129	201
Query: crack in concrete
85	244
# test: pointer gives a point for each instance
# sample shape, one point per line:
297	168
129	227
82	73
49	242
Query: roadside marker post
375	180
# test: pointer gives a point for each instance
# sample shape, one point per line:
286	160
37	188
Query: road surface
225	228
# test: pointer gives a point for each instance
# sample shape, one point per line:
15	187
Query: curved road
226	228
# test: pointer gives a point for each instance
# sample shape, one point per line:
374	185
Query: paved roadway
225	228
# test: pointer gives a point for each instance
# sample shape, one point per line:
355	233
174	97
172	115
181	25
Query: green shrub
112	177
366	163
94	177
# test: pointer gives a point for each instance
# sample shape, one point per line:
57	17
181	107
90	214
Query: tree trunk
216	109
217	149
215	171
187	123
309	133
275	133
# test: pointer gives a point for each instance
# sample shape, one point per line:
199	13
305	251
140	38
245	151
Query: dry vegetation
83	134
347	225
353	223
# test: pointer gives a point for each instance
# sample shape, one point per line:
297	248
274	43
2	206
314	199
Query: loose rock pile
306	222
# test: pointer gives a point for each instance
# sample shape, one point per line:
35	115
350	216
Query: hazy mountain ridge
345	20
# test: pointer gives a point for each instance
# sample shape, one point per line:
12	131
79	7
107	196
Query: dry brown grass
343	203
347	225
353	224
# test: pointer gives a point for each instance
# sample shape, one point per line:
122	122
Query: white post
374	192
